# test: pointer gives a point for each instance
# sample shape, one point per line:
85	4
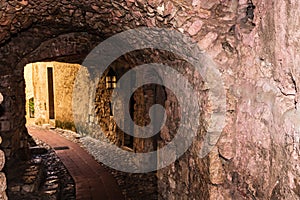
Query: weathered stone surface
208	40
204	14
216	171
206	4
1	100
2	160
3	195
2	182
195	27
36	177
255	44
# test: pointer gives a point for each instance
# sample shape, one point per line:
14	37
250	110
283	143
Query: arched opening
50	85
66	32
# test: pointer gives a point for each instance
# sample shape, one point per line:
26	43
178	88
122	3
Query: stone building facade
105	109
49	89
255	45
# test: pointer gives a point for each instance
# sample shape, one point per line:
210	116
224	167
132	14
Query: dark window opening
111	79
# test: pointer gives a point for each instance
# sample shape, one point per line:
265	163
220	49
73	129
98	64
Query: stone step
49	126
42	177
30	176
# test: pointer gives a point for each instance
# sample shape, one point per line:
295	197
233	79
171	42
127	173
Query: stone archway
66	31
60	30
254	44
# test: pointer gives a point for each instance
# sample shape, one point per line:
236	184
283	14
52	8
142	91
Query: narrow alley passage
93	182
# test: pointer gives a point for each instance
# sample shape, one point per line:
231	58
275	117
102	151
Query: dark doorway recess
50	92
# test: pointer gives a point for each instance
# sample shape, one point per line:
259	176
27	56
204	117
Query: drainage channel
61	148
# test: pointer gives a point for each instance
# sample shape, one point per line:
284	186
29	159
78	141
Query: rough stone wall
64	78
267	99
140	108
257	155
12	120
256	51
103	113
29	92
40	85
259	144
144	98
188	177
3	184
12	78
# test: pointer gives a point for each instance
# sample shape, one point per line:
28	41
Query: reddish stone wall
256	51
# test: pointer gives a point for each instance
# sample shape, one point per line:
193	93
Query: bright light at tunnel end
179	44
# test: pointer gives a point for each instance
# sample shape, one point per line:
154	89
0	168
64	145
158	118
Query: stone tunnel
254	45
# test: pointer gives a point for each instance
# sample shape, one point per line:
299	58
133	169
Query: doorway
50	93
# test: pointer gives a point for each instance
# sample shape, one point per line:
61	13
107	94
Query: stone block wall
255	46
64	78
3	184
103	111
12	119
105	108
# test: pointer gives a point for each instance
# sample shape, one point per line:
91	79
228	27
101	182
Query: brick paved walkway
93	182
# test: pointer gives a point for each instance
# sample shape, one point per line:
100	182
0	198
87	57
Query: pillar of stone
3	184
